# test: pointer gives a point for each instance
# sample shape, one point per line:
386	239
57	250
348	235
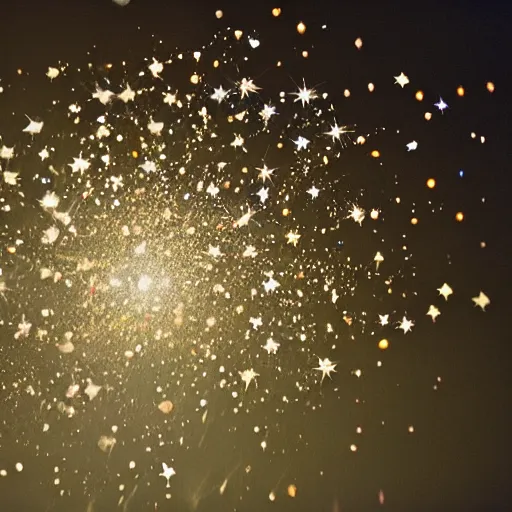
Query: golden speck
11	250
428	116
226	185
346	93
238	34
194	79
135	154
19	71
359	43
383	344
374	214
410	429
301	28
483	245
414	221
360	139
286	212
419	95
460	90
305	54
353	448
490	86
215	63
280	145
219	14
371	87
459	216
431	183
375	153
276	11
245	170
292	491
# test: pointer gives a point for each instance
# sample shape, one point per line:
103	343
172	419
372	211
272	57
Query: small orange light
383	344
135	154
459	217
292	491
301	28
286	212
419	95
276	11
375	153
431	183
414	221
490	86
460	90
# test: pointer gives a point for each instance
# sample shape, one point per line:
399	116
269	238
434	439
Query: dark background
459	456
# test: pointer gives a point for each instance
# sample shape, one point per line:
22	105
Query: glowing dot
490	86
346	93
166	406
459	216
215	63
135	154
482	245
194	79
419	95
219	14
20	71
131	465
410	429
431	183
272	496
359	43
353	448
286	212
144	283
375	153
279	145
305	54
292	491
383	344
301	28
19	467
371	87
276	11
238	34
360	139
428	116
414	221
374	214
460	90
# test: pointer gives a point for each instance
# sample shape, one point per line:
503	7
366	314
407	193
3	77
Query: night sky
153	267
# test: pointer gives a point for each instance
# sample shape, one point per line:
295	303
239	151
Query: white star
250	252
247	86
293	238
445	291
301	143
238	142
357	214
79	164
401	80
44	154
441	105
167	472
433	312
326	366
412	146
127	95
263	193
267	112
384	319
156	68
6	153
271	346
271	284
214	251
406	325
219	94
482	300
169	98
212	190
337	131
305	95
313	191
33	126
248	376
103	96
11	178
256	322
265	173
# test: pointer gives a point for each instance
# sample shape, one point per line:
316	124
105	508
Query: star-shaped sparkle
265	173
247	86
401	80
406	325
441	105
445	291
301	143
305	95
326	366
293	238
219	94
482	300
271	346
433	312
167	472
248	376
